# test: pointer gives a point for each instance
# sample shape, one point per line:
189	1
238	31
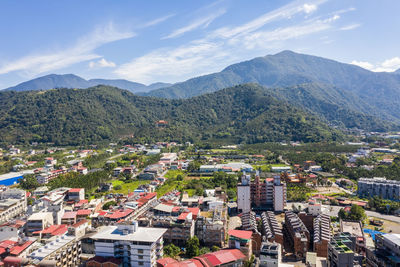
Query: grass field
127	187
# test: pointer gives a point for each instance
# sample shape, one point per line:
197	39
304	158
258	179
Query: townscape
170	204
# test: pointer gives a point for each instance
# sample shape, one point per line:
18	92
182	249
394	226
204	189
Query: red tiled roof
174	209
241	234
75	190
53	230
221	257
69	215
186	263
183	215
119	214
83	201
83	212
18	249
194	211
79	223
165	261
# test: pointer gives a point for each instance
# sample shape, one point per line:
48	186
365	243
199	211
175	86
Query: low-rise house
241	240
11	229
38	222
76	194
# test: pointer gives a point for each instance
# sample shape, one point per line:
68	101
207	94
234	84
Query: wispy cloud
198	23
102	63
157	21
350	27
82	50
221	47
388	65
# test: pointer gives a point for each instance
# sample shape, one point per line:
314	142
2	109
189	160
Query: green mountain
244	113
373	94
52	81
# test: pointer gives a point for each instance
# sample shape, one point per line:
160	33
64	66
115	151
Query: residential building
355	229
272	230
322	234
243	194
270	254
211	228
225	257
38	222
11	229
379	186
296	235
136	246
241	240
62	250
387	250
13	203
76	194
341	251
269	194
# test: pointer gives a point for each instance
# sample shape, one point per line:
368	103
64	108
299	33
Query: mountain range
241	114
52	81
339	94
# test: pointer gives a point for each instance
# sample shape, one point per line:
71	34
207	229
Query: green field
127	187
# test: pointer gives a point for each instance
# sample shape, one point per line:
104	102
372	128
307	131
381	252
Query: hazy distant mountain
52	81
373	93
243	114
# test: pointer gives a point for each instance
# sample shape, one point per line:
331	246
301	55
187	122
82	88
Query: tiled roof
241	234
75	190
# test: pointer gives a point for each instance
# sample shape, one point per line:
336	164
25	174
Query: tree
342	214
29	182
215	248
171	250
204	250
192	247
109	204
356	213
118	187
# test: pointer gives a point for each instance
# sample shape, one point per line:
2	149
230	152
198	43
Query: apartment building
270	254
272	230
322	234
211	229
11	229
296	235
379	186
341	251
60	251
180	228
134	245
241	240
269	194
38	222
13	203
387	251
243	194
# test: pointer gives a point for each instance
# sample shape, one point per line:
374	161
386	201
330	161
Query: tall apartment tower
243	194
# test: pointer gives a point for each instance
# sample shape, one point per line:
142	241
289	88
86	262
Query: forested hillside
243	113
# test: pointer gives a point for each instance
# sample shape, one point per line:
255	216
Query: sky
172	41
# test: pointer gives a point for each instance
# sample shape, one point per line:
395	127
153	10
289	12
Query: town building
272	230
38	222
270	254
12	229
136	246
243	194
378	186
296	235
387	250
341	251
241	240
211	227
322	234
269	194
13	203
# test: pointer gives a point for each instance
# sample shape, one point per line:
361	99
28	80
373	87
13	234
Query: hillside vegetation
244	113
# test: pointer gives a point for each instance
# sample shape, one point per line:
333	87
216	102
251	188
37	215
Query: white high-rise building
243	194
136	246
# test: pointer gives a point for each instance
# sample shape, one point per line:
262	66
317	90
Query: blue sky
171	41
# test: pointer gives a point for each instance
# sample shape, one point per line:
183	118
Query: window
140	257
141	263
140	251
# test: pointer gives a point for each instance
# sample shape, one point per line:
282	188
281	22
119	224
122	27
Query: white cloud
363	64
286	11
309	8
83	50
102	63
157	21
201	22
350	27
223	46
388	65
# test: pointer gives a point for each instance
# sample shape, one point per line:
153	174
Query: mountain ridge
53	81
241	114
